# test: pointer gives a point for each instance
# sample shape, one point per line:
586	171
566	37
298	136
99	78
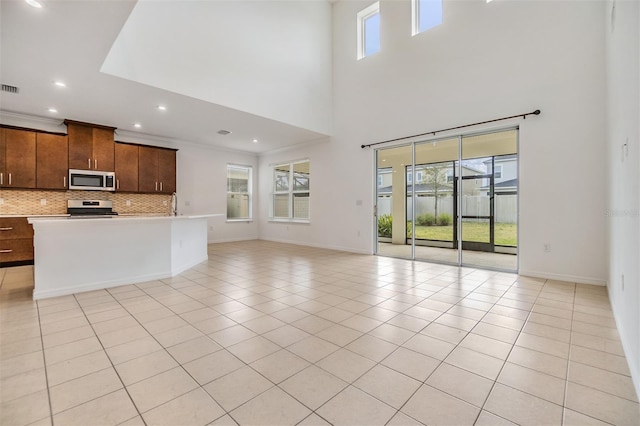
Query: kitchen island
74	255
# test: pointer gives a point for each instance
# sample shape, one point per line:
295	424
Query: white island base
74	255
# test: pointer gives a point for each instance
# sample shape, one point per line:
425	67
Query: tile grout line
424	382
566	382
296	290
44	361
110	362
510	350
163	349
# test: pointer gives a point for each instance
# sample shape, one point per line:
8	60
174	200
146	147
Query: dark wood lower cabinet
16	241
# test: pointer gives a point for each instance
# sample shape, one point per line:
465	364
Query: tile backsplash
30	202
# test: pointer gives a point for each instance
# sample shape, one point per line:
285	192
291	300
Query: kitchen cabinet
91	146
157	169
126	165
52	161
17	158
16	241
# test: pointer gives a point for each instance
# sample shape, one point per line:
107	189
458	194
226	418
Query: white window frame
497	172
415	18
290	192
362	16
249	192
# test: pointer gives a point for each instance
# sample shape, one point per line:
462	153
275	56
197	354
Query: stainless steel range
90	208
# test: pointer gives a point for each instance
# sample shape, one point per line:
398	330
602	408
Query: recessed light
223	132
255	141
161	107
34	3
52	110
137	125
59	83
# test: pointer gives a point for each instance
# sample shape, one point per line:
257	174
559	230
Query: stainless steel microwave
92	180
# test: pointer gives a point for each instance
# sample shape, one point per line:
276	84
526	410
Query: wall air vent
10	89
223	132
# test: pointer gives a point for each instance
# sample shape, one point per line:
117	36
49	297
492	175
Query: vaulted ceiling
269	80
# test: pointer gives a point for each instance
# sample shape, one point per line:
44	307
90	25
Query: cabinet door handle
89	161
6	251
64	181
9	179
95	164
8	228
160	186
1	178
117	183
156	186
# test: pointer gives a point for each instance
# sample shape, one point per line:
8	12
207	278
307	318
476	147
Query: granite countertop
34	215
119	218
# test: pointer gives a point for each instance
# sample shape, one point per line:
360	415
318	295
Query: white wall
268	58
485	61
202	180
623	116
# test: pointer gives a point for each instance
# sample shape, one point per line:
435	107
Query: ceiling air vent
10	89
223	132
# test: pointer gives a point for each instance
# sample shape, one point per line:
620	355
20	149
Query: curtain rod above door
536	112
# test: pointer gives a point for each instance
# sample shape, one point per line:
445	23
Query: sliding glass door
450	200
391	207
489	199
434	225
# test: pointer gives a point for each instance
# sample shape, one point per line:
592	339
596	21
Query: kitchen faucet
174	204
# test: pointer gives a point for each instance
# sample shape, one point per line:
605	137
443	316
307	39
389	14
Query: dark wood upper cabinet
157	169
167	170
17	158
126	164
91	146
52	161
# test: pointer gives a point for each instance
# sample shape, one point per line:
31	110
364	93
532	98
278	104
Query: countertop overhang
119	218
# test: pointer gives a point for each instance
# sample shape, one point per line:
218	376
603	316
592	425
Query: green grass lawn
506	234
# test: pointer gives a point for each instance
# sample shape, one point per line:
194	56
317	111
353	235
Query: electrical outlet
128	203
43	201
164	203
1	201
547	248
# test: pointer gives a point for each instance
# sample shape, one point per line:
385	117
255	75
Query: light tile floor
274	334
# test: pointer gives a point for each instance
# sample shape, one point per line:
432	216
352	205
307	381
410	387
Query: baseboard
231	240
562	277
633	368
322	246
43	294
181	268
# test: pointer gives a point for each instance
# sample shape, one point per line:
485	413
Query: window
238	192
291	194
418	176
425	14
368	27
409	178
497	172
